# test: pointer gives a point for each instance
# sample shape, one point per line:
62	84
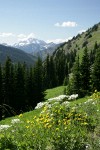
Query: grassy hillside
79	42
55	92
55	124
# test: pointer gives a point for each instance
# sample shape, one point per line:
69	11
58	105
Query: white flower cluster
66	103
89	101
54	101
59	98
40	105
15	121
4	127
73	96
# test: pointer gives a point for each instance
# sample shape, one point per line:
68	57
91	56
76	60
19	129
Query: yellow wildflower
57	129
20	115
28	121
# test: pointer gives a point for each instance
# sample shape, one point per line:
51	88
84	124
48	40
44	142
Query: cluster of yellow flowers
57	118
96	95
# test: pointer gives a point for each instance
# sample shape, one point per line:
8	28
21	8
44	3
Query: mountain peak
33	45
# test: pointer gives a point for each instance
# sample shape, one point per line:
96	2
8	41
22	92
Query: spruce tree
96	71
29	88
7	81
38	83
20	102
53	79
76	77
85	73
46	72
75	80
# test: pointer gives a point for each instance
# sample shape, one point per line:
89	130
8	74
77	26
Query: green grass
50	93
28	115
67	127
80	40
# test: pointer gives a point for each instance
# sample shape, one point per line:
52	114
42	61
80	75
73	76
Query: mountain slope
16	55
79	42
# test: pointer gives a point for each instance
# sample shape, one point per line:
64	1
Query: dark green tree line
85	76
21	88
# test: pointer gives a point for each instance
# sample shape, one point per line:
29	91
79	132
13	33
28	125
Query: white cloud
21	35
66	24
57	41
5	35
11	38
24	37
81	31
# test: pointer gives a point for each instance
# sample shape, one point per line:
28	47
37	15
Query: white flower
40	105
93	103
59	98
73	96
65	103
55	103
15	121
49	105
5	127
88	101
87	146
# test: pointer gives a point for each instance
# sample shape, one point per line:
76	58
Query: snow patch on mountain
32	45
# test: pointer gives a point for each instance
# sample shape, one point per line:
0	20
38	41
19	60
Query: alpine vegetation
65	125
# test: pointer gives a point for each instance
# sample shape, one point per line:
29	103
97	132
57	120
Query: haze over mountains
36	47
27	50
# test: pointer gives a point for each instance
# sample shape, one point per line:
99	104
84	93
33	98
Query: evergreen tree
75	81
38	83
7	81
85	73
96	71
29	89
76	77
49	76
60	62
53	79
65	82
20	102
46	71
92	53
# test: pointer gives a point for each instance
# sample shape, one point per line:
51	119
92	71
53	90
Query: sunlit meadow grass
58	125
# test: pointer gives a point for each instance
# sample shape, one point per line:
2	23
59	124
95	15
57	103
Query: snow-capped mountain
33	45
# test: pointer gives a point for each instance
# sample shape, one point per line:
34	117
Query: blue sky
49	20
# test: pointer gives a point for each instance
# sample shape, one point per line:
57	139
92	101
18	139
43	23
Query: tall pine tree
75	80
38	83
96	71
76	77
85	73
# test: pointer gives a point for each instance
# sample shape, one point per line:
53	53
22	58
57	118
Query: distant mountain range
26	51
16	55
36	47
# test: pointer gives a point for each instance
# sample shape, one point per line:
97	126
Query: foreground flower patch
59	126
